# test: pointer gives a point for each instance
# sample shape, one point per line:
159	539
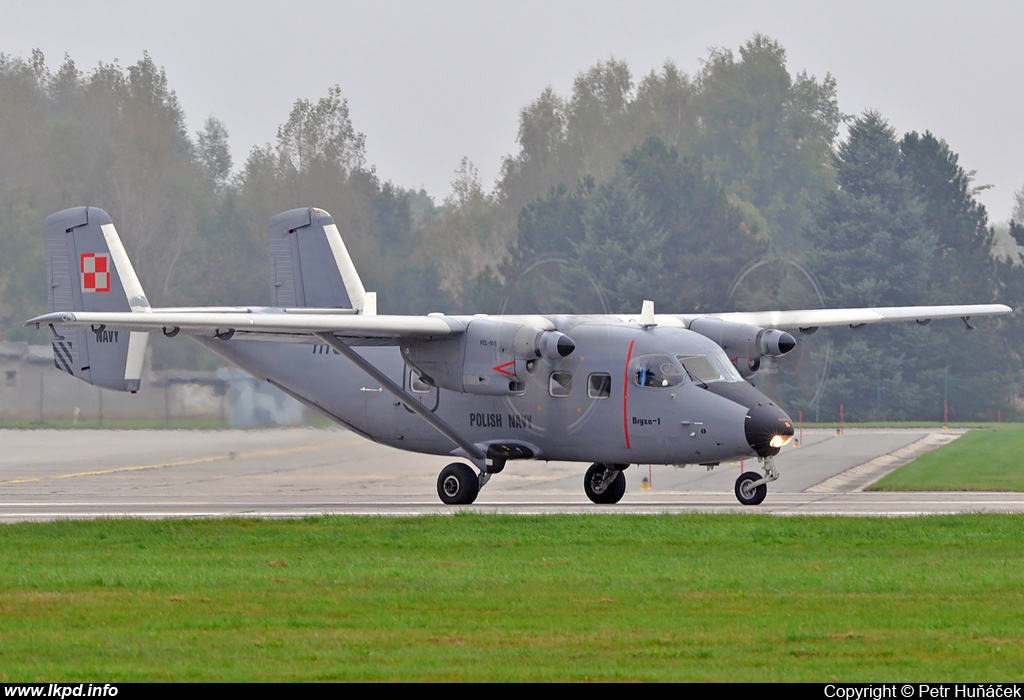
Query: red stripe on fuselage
625	394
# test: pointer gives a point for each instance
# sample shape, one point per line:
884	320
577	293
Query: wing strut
471	450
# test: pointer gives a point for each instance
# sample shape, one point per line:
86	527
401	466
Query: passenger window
560	383
599	386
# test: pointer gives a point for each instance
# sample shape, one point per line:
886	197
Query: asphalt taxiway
52	474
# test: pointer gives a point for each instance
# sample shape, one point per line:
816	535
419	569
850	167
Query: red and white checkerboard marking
95	272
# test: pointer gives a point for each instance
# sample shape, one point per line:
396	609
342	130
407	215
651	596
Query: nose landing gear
751	488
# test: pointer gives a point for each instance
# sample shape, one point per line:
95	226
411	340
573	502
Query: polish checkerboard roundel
95	269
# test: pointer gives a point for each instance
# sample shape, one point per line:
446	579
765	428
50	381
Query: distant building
32	389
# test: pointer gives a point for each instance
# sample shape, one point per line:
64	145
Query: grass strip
515	598
980	460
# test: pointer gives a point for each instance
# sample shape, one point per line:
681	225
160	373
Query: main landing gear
605	483
751	487
459	484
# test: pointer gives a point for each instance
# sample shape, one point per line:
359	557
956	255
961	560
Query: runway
55	474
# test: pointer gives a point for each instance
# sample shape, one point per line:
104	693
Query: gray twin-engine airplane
614	390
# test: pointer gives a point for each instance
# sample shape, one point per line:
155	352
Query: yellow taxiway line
182	463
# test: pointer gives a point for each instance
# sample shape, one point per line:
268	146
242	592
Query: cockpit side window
657	371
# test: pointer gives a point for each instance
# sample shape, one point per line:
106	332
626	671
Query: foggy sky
431	82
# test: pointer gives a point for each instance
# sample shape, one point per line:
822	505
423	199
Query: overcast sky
429	82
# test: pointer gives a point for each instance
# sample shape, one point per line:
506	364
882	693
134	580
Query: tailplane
310	267
88	269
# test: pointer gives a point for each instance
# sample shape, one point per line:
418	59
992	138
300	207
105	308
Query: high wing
301	325
807	319
261	324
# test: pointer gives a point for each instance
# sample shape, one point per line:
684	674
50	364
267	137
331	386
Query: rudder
88	269
310	266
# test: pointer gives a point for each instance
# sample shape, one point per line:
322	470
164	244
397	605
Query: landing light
778	441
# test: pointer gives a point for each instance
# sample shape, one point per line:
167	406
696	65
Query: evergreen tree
621	251
871	246
903	228
658	229
963	265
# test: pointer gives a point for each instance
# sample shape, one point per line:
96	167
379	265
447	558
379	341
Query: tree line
727	189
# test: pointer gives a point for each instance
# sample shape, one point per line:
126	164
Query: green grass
980	460
520	598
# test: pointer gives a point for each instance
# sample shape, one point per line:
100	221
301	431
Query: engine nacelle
489	358
747	367
775	343
743	342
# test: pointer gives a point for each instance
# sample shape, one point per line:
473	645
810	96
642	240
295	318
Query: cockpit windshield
714	367
659	370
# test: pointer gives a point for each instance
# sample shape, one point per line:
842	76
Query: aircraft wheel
749	495
458	484
600	492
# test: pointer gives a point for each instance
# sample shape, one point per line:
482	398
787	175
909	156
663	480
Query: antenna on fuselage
647	315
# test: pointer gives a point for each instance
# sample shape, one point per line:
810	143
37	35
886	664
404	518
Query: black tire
750	496
458	484
611	493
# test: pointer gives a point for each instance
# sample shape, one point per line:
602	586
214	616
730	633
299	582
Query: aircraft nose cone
768	429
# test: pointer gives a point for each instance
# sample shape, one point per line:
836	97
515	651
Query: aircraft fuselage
599	404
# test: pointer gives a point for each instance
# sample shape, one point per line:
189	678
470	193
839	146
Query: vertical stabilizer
88	269
310	266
